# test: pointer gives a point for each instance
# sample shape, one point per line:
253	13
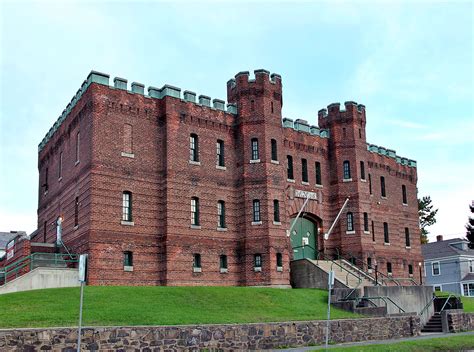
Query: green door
303	239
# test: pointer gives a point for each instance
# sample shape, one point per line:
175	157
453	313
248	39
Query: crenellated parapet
390	153
303	126
136	88
263	83
333	113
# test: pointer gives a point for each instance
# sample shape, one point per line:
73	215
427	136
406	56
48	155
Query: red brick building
164	189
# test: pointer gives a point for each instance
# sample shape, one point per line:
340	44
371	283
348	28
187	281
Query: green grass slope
126	305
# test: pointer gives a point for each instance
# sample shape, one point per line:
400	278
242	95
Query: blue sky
410	64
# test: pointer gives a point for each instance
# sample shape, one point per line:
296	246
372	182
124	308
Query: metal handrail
364	265
447	300
427	305
383	298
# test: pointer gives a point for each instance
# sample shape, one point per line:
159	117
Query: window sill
254	223
279	268
350	232
389	274
219	167
257	269
305	183
222	229
127	268
405	204
192	162
76	163
408	247
196	227
254	161
382	197
276	162
223	270
60	179
363	180
128	155
410	275
45	193
76	227
386	244
277	223
197	270
290	180
127	223
369	271
347	180
318	185
367	232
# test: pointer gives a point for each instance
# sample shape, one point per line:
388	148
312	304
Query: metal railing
383	298
34	260
427	305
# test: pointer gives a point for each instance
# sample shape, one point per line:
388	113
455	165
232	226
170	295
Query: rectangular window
362	170
78	142
350	222
279	260
304	170
289	169
274	149
60	165
366	222
404	194
256	210
193	147
369	263
46	182
437	288
318	173
471	265
346	168
127	138
386	237
255	155
382	186
221	214
410	269
468	289
196	260
76	211
220	153
407	237
435	268
373	231
127	258
370	184
276	210
195	211
257	260
223	262
389	268
127	206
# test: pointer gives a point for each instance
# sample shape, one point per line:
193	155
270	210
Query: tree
427	217
470	227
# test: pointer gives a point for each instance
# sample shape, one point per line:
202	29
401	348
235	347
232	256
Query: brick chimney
439	238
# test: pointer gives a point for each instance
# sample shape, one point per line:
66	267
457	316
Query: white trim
279	268
386	243
363	180
350	232
277	223
254	161
127	223
221	228
128	268
347	180
367	232
128	155
305	183
257	269
432	269
197	270
318	185
254	223
223	270
292	180
440	288
195	227
218	167
450	257
192	162
276	162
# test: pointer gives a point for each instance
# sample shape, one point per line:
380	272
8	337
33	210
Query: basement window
128	261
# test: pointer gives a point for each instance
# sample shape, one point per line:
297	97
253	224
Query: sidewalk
423	336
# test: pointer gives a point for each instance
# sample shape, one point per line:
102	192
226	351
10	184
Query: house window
366	222
407	237
195	211
220	153
410	269
257	260
346	167
197	261
289	169
127	258
223	262
471	265
369	263
221	214
318	173
362	170
256	210
370	184
76	211
404	194
127	138
127	206
271	105
386	237
382	186
279	260
373	231
274	149
435	270
255	155
193	147
468	289
350	222
304	170
389	268
276	210
437	288
78	141
60	166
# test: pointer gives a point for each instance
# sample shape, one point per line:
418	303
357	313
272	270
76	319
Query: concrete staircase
434	324
345	272
48	260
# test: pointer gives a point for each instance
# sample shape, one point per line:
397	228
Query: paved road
423	336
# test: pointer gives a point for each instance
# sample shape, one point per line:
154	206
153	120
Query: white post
59	230
82	279
297	216
330	284
326	236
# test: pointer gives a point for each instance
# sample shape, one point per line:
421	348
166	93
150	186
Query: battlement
300	125
262	76
136	88
334	110
390	153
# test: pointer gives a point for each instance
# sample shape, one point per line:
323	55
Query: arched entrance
304	238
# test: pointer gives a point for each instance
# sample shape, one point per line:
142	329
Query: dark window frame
346	170
254	149
407	237
197	260
383	191
304	170
221	214
195	211
128	258
279	260
362	170
127	206
317	166
366	222
274	149
223	264
276	210
350	221
404	195
194	147
386	234
257	260
289	168
220	151
256	210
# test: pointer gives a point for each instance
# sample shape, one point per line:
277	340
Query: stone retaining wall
212	337
458	320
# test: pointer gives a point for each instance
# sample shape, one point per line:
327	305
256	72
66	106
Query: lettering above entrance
306	194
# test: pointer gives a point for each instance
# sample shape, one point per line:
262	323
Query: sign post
330	285
82	280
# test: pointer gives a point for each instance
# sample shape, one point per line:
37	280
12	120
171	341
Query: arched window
350	222
127	206
346	168
255	154
274	150
193	147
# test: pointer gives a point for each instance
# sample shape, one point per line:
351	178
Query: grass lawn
452	343
126	305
